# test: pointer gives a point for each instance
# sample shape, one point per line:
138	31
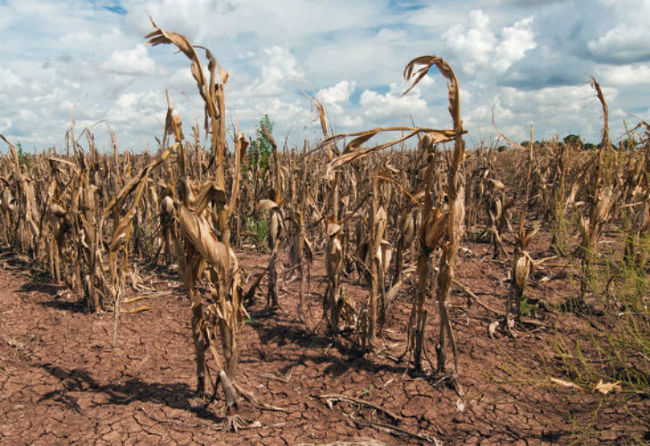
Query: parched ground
62	381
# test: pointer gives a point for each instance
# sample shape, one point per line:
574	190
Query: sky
529	61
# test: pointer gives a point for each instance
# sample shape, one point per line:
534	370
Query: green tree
261	147
572	140
22	157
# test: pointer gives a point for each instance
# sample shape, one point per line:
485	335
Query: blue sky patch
116	9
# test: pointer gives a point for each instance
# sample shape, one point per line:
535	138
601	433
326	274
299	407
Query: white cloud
5	124
624	75
622	43
392	105
281	67
130	62
336	95
479	48
623	37
532	59
9	80
517	39
474	46
352	121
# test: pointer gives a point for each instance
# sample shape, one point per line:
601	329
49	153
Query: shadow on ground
175	395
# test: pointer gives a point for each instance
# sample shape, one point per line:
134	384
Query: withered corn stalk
119	248
201	248
27	231
638	248
601	198
375	263
496	211
436	223
332	301
438	228
522	263
274	205
300	251
431	233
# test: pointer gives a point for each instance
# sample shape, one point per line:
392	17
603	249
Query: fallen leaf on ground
565	383
605	388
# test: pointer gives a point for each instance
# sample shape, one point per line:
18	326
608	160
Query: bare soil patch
63	382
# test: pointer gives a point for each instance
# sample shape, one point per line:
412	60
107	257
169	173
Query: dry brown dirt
62	380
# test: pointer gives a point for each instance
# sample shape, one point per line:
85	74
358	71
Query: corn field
388	218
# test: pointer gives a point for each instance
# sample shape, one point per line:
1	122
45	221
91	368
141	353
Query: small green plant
260	149
23	159
258	228
366	392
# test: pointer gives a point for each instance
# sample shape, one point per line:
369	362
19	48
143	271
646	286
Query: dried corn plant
25	211
522	262
452	223
65	237
636	204
376	261
487	196
203	249
333	301
496	209
601	197
300	251
119	247
557	201
440	227
273	205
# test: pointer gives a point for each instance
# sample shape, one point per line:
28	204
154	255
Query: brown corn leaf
275	228
415	76
497	184
438	136
209	193
604	203
522	270
386	254
199	232
434	228
266	205
57	211
599	93
167	205
332	229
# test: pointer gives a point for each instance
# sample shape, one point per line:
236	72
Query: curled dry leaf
565	383
492	329
497	184
605	388
434	228
167	205
266	205
199	232
604	203
333	229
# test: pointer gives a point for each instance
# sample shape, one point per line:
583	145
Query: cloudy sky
530	60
